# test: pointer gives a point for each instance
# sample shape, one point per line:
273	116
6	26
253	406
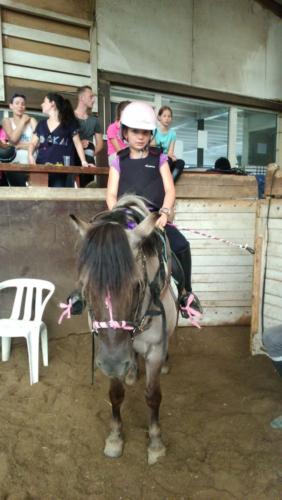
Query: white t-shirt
22	154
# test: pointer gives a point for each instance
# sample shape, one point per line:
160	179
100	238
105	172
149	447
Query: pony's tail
106	265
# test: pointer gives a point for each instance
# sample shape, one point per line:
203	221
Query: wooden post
273	181
256	295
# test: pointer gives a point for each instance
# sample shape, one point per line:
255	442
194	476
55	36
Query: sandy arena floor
218	402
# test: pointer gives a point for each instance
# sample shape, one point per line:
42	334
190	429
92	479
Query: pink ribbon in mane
193	314
66	312
123	325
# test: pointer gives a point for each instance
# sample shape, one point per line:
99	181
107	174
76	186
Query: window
203	126
256	139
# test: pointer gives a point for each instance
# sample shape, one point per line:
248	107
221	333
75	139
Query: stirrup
78	303
190	307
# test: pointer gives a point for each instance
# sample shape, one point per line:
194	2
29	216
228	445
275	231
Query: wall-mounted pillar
279	141
232	135
200	150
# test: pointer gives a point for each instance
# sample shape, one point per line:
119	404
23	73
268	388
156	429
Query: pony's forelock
107	265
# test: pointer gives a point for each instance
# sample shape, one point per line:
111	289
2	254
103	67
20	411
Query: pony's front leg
114	442
156	448
133	373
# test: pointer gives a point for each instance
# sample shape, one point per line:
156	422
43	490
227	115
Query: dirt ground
218	402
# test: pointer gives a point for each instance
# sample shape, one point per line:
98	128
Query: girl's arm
169	198
14	135
116	145
22	145
33	123
31	148
170	152
80	151
112	188
25	145
99	143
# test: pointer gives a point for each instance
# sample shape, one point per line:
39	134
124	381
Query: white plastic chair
26	320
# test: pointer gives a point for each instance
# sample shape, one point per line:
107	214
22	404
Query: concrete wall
39	241
226	45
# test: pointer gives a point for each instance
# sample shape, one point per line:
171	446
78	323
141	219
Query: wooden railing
190	185
38	174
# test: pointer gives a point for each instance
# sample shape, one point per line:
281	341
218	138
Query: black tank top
142	176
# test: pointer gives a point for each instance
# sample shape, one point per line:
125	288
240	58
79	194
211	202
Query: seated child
114	140
165	138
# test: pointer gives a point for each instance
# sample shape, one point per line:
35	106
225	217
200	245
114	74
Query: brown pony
124	268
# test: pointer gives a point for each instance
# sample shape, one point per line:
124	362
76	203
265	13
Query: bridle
141	321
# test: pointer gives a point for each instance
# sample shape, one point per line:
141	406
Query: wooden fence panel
43	49
267	311
221	273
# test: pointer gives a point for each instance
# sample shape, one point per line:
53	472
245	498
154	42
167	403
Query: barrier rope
216	238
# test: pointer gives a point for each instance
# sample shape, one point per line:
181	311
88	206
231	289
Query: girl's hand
31	160
86	164
25	119
162	221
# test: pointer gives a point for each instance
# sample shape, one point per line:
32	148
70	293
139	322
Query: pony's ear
81	225
144	229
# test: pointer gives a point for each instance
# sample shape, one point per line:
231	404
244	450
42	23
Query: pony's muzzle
113	368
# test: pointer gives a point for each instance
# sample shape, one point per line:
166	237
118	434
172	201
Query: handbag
7	152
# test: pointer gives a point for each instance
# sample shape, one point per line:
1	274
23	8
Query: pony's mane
106	261
135	209
135	202
128	211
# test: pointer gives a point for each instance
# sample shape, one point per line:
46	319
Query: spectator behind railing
165	138
222	164
115	141
19	129
7	154
3	136
57	138
89	131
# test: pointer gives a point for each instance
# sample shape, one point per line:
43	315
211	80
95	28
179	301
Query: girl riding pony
144	171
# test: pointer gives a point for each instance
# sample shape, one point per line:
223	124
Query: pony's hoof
155	453
113	447
131	377
165	369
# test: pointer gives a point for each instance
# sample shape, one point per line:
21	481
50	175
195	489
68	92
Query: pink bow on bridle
193	314
123	325
66	312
